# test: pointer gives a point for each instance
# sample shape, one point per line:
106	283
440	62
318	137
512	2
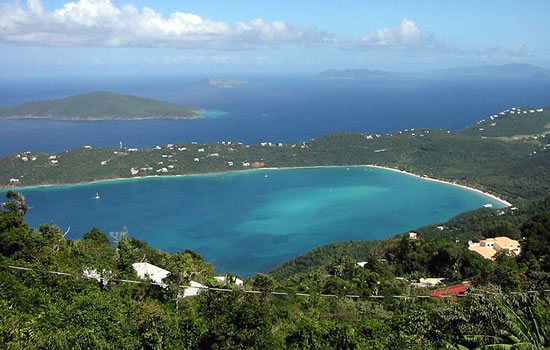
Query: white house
237	281
361	263
431	282
194	289
155	273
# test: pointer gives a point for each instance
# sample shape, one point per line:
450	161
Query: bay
248	222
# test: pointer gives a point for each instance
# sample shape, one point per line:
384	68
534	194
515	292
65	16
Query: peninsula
100	105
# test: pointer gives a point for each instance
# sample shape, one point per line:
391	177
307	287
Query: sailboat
96	195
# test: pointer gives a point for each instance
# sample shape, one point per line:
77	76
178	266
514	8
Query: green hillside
515	123
511	169
100	105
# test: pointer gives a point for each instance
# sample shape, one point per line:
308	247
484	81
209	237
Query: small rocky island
101	105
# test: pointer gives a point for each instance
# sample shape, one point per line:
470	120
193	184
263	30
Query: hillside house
235	280
194	289
154	273
489	247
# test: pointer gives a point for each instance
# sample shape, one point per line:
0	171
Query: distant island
101	105
223	83
511	70
352	74
505	70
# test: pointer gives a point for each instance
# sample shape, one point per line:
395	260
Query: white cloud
100	23
407	35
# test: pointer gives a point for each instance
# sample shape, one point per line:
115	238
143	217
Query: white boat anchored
97	195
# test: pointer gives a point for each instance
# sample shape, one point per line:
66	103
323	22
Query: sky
128	36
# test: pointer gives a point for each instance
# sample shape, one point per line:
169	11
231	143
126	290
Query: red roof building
450	291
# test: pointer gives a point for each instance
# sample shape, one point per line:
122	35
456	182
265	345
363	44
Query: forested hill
514	123
101	105
516	170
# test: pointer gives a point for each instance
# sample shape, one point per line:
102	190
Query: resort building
489	247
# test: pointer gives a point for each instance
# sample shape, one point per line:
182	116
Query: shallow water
248	222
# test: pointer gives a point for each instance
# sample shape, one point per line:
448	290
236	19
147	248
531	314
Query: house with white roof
237	281
194	289
154	273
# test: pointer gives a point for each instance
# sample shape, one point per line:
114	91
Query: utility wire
247	291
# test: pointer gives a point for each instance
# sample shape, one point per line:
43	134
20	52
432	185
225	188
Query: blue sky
234	36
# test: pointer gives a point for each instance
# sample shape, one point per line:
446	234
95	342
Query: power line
247	291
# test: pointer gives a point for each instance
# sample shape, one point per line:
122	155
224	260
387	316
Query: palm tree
518	329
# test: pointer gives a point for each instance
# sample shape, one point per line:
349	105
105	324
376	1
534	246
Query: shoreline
472	189
490	195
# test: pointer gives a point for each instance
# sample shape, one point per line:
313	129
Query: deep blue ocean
278	108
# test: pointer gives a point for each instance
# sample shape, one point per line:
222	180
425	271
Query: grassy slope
99	105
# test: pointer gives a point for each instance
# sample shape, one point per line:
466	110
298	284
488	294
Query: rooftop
486	252
155	273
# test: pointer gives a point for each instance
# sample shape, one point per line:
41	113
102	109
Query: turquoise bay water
249	222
